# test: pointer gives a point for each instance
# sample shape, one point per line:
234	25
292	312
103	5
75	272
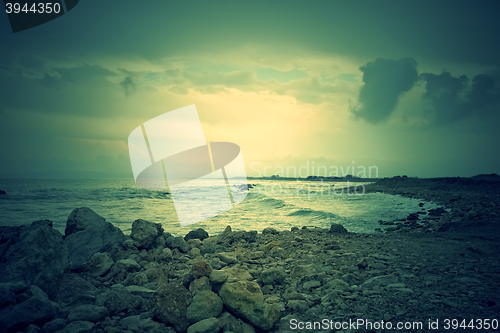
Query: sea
279	204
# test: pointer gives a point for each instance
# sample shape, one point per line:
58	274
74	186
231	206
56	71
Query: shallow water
277	204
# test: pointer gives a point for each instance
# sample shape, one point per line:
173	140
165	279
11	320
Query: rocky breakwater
237	281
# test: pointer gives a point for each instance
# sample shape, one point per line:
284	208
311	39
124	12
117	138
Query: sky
397	88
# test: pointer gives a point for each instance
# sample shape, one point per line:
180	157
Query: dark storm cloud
449	98
384	81
128	85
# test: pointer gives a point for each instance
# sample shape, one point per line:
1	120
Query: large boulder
245	299
35	253
71	288
88	233
145	232
196	234
205	304
171	304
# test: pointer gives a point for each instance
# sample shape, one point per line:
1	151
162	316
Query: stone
209	325
79	327
218	277
196	234
99	264
92	313
181	244
245	299
273	276
34	253
88	233
32	329
170	305
337	229
37	310
309	285
54	325
140	291
118	300
202	283
230	323
228	257
305	270
381	280
201	268
205	304
70	288
225	236
145	233
240	235
270	231
236	273
131	322
165	256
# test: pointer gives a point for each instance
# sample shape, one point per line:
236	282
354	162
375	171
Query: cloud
385	80
128	85
448	99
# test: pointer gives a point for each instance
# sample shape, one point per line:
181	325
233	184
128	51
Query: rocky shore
96	279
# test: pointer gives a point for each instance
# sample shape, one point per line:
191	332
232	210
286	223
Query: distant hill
487	177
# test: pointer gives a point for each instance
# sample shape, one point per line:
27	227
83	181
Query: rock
165	256
228	257
171	304
196	234
247	236
88	233
140	291
273	276
270	231
145	233
437	211
412	217
99	264
205	304
92	313
277	252
201	268
32	329
337	229
304	270
309	285
379	280
210	325
181	244
54	325
270	245
202	283
118	300
337	284
34	253
37	310
245	299
70	288
78	327
225	236
236	273
230	323
131	322
218	277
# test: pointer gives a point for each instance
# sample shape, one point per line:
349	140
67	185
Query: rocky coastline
96	279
